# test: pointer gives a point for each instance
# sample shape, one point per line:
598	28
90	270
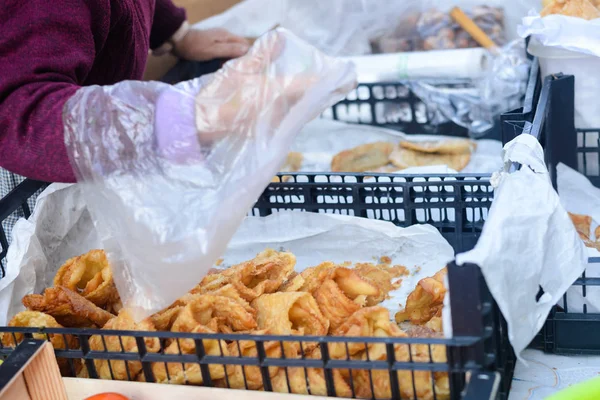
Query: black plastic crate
478	356
567	330
385	104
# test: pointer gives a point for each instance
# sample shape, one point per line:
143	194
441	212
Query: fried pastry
68	308
290	313
121	370
582	224
383	276
190	373
247	348
35	319
293	163
367	322
263	274
163	320
445	146
227	314
309	380
362	158
426	301
341	294
91	276
572	8
407	158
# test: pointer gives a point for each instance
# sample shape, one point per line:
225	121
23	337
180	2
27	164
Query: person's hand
204	45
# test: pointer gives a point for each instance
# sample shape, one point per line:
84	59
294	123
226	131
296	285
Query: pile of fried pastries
260	296
389	157
586	9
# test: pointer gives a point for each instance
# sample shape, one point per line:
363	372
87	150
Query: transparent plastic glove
171	171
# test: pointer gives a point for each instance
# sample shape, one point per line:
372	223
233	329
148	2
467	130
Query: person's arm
47	47
168	19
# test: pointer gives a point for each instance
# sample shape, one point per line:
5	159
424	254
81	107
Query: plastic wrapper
163	218
433	29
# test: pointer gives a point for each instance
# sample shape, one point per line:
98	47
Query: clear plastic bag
164	218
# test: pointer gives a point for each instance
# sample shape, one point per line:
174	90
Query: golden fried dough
163	320
362	158
263	274
91	276
426	301
35	319
301	380
293	163
176	373
444	146
247	348
290	313
227	314
68	308
341	294
406	158
121	370
383	276
572	8
582	225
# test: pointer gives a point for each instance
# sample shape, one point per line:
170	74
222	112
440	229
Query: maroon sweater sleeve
167	20
47	47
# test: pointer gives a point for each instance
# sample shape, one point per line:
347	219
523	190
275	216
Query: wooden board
78	389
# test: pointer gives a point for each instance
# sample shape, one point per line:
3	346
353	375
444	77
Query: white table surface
546	374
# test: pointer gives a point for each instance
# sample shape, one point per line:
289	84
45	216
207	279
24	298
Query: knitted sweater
48	50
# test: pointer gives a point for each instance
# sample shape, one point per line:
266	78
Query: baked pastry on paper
426	301
572	8
362	158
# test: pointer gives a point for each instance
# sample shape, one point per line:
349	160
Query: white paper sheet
579	196
61	228
528	241
320	140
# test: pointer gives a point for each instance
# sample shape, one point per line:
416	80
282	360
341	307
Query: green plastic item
588	390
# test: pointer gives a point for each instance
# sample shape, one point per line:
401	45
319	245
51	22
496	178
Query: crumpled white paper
321	139
569	33
60	228
528	241
579	196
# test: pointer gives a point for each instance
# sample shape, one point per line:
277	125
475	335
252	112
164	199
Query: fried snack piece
362	158
382	276
121	370
426	301
294	313
406	158
263	274
313	379
163	320
91	276
35	319
341	294
228	315
367	322
293	163
190	373
445	146
68	308
582	224
339	291
374	321
572	8
252	375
